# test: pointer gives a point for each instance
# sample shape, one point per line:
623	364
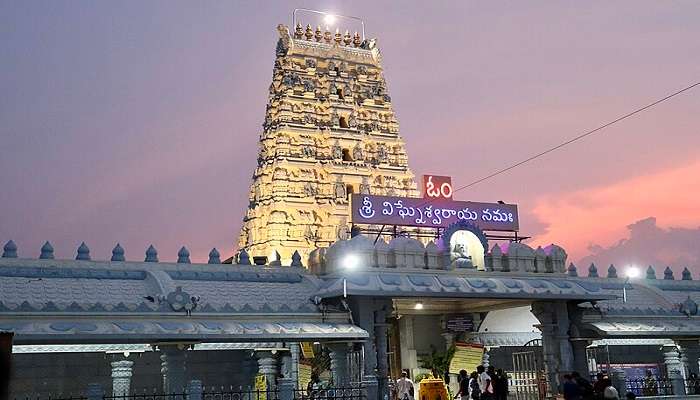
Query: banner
304	375
260	387
467	357
432	213
307	350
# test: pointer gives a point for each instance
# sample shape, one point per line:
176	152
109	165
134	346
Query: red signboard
437	187
432	213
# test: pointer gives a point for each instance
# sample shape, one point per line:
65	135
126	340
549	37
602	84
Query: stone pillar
286	386
558	354
673	368
451	378
286	366
172	368
295	349
339	363
409	357
690	350
380	332
267	365
371	387
579	347
194	390
121	377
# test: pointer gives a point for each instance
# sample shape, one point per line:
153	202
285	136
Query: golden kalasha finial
338	36
319	34
298	31
348	38
327	36
309	32
356	40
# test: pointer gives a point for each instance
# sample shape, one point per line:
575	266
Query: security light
351	262
329	19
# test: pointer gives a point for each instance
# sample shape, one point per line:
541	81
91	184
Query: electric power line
577	138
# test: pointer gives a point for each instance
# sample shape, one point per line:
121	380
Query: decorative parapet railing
409	253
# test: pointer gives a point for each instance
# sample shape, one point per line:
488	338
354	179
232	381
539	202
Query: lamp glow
351	261
329	19
632	272
418	306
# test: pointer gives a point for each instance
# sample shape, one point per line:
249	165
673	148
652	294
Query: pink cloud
585	220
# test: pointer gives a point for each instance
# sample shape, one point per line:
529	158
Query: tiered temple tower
329	131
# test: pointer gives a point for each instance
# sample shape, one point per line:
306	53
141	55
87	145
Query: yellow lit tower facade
329	131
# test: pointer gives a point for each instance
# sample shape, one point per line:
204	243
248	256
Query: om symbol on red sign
437	186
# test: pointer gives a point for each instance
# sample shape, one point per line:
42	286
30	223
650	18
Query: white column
339	363
294	348
674	368
267	365
121	377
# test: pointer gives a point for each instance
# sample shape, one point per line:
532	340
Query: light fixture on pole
631	272
350	262
328	18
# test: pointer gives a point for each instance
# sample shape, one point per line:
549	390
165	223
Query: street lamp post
630	273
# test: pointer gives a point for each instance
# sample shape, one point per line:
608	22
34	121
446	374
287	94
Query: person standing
485	383
584	386
474	389
571	389
501	385
404	387
463	393
610	393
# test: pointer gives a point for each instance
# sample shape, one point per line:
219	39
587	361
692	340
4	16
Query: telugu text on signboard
438	213
467	357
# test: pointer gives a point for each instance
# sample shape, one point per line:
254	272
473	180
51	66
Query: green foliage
437	362
420	377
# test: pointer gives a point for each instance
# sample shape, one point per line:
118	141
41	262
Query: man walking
404	387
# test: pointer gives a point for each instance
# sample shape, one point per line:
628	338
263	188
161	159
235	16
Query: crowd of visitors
483	384
576	387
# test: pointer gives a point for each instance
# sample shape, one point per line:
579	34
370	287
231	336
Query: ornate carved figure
337	151
357	153
382	153
339	190
309	85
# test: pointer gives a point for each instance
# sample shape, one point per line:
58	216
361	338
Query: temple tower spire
329	131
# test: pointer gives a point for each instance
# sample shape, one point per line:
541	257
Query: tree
437	362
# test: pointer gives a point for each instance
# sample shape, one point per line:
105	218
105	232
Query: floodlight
351	261
632	272
329	19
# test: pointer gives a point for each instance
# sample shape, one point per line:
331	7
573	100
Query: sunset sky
137	122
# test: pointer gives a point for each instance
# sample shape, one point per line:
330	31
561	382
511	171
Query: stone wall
43	374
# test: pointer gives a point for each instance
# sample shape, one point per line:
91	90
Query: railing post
194	390
285	387
371	387
94	391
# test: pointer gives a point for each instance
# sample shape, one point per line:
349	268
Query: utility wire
579	137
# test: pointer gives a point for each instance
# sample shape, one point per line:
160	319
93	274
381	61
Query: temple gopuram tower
329	131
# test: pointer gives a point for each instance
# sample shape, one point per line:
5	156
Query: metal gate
528	381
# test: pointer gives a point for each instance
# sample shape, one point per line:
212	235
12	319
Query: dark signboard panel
435	213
